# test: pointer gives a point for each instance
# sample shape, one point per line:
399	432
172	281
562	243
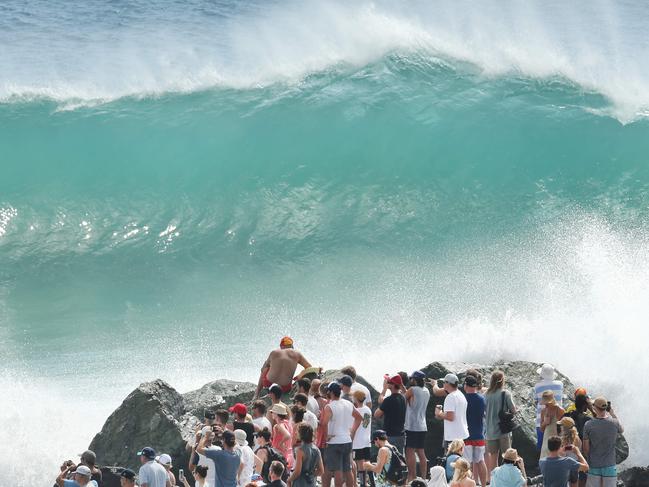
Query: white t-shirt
313	406
311	419
357	386
263	422
458	428
248	462
209	463
362	437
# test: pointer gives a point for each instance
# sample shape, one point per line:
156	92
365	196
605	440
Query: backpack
273	456
397	472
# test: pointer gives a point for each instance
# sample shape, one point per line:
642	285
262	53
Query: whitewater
184	182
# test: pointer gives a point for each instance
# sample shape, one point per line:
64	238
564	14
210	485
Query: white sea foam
596	45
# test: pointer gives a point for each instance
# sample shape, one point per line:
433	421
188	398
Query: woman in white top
361	444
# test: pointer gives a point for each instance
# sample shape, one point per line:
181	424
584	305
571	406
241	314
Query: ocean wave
154	51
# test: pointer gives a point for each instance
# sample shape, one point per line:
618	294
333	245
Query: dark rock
216	395
635	477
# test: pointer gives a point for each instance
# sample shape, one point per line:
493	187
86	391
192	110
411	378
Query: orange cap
286	342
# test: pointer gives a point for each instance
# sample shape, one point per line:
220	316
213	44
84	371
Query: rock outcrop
156	415
635	477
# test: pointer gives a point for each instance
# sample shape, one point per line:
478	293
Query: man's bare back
280	366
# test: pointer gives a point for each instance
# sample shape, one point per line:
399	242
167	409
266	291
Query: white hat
240	437
164	459
83	470
547	372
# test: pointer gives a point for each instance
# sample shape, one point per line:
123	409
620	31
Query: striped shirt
555	386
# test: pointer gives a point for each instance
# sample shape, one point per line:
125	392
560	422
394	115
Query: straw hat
279	409
511	454
567	422
548	399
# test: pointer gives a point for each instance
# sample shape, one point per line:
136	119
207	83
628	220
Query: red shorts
266	383
474	442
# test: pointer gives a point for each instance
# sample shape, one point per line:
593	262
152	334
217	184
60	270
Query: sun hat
395	379
547	372
286	342
148	452
240	437
451	379
83	470
511	454
164	459
279	409
239	408
601	403
548	398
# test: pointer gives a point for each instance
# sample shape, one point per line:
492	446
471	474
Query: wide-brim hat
279	409
511	454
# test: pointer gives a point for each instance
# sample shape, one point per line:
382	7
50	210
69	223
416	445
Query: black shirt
276	483
394	414
249	428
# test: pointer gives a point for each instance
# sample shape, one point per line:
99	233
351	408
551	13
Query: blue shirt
507	475
226	467
475	410
450	470
556	470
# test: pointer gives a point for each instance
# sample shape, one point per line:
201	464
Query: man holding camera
600	436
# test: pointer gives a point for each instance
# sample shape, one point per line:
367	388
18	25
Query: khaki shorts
500	445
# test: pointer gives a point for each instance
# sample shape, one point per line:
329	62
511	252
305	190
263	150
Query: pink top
284	445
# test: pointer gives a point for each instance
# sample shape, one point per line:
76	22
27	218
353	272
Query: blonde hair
462	470
456	446
569	432
497	381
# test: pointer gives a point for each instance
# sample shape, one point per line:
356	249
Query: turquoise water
184	183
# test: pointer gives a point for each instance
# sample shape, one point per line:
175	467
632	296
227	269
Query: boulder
156	415
520	379
635	477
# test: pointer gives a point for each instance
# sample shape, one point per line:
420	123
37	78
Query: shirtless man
279	367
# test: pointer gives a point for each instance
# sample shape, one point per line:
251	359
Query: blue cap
418	374
335	388
346	380
148	452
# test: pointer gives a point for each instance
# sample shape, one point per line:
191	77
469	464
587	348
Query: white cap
164	459
83	470
240	437
547	372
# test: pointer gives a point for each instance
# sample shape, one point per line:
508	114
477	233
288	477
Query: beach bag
274	455
506	423
397	472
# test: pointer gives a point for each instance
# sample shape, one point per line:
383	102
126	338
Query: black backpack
274	456
397	472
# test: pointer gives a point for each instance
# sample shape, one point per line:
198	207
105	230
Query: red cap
395	379
286	342
239	409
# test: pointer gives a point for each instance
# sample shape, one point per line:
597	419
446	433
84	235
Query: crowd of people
325	432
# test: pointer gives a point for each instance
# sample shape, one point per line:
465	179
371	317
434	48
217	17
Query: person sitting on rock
462	474
279	367
548	382
600	437
226	461
80	477
556	468
127	478
511	473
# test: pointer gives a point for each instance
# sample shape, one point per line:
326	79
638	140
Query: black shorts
415	439
362	454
